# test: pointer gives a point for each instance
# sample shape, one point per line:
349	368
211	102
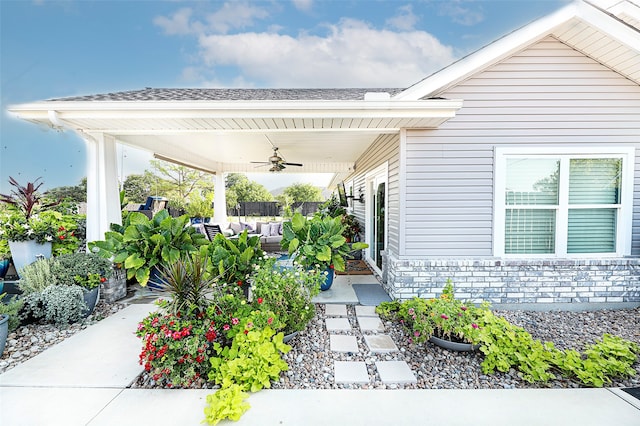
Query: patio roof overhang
225	136
327	136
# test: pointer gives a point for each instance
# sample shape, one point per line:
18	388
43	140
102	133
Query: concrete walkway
84	381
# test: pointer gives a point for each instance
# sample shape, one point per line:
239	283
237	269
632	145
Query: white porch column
219	199
103	198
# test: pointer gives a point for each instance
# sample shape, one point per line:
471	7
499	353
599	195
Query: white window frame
624	218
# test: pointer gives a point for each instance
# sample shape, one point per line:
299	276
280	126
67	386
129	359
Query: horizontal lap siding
385	148
548	94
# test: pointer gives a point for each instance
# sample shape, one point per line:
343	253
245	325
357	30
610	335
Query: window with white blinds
562	204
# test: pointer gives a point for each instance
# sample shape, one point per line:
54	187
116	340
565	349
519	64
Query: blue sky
55	49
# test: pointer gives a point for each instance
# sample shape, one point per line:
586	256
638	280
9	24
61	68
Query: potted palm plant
318	243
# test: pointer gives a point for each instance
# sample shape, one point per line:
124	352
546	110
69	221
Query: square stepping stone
341	343
337	324
335	310
380	343
395	372
370	324
350	372
366	311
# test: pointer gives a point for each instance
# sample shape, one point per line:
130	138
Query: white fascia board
626	8
180	109
516	41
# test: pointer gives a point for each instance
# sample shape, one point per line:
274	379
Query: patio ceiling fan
276	161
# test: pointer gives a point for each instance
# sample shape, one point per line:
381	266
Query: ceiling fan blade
294	164
260	162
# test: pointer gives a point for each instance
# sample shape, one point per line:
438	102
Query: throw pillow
265	231
248	226
275	229
236	228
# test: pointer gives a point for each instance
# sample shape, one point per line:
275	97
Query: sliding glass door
376	217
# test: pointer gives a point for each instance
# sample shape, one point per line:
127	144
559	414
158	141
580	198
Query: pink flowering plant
176	346
445	317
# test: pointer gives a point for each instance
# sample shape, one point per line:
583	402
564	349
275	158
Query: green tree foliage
302	192
183	181
240	188
77	193
138	187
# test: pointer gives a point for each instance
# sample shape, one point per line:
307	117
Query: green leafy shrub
317	242
11	308
87	270
234	259
57	304
226	403
36	277
286	292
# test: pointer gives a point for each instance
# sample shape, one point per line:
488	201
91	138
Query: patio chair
211	230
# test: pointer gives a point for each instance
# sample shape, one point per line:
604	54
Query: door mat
370	294
634	392
356	267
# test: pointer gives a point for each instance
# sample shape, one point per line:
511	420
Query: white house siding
384	149
548	94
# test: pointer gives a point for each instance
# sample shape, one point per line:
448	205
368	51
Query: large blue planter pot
326	285
4	331
26	252
155	280
4	266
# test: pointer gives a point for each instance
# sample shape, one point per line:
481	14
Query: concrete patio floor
85	381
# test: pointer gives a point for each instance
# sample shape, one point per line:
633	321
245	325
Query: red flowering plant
445	317
176	346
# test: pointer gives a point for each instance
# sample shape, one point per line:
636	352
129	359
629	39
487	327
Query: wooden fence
271	208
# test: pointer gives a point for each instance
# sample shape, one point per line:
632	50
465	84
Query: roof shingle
177	94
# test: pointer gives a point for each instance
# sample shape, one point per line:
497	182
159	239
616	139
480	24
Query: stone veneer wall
518	281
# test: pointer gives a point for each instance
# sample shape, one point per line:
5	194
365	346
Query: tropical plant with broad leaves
318	242
141	244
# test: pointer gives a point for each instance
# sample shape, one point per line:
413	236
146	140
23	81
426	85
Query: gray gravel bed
30	340
311	362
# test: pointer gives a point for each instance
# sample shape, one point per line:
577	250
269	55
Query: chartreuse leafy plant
250	364
226	403
142	243
253	360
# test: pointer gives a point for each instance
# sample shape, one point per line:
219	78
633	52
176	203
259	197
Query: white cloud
235	15
351	54
304	5
404	20
460	13
230	16
179	23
